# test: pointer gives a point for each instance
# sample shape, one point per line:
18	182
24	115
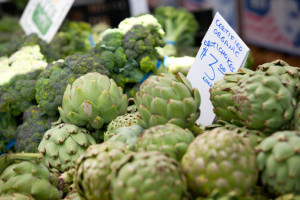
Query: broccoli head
30	133
53	81
29	40
20	93
109	50
73	38
17	81
180	27
146	20
140	44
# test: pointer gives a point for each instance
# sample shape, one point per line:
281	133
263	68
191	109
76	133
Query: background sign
138	7
221	51
44	17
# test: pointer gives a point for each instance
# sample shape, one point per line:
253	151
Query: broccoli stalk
179	25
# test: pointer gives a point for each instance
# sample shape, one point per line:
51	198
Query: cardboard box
273	24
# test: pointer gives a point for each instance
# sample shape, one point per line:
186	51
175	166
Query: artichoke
30	178
168	99
52	83
127	135
221	96
296	118
63	144
263	102
127	119
278	160
16	196
72	196
288	197
93	170
168	138
147	176
219	159
254	136
93	99
289	75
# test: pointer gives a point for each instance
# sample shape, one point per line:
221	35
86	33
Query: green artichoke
93	170
168	99
263	102
30	178
219	159
278	160
16	196
63	144
147	176
93	99
254	136
289	75
168	138
127	135
72	196
296	118
127	119
221	96
288	197
52	83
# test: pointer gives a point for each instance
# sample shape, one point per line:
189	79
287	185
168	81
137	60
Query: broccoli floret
53	81
30	133
17	82
130	73
111	38
147	65
72	39
180	27
109	50
120	57
140	44
29	40
146	20
107	59
20	93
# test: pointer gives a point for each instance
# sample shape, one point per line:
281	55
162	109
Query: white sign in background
222	51
138	7
44	17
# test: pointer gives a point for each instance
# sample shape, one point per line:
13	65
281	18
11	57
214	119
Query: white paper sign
138	7
44	17
221	51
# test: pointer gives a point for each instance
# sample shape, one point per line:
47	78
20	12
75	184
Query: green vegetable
52	83
63	144
92	100
179	25
30	133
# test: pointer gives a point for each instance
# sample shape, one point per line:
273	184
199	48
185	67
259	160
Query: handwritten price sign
222	51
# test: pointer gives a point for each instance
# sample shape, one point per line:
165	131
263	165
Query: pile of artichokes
107	146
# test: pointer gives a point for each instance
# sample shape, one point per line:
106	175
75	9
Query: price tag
222	51
138	7
44	17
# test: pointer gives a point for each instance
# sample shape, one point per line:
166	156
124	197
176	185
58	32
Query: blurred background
271	28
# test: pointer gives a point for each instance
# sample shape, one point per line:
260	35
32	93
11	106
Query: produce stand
108	109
